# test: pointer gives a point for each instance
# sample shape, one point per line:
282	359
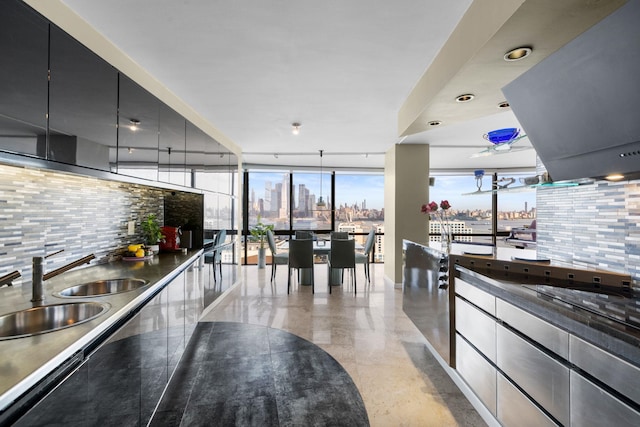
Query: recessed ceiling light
614	177
435	123
504	104
465	98
517	53
134	124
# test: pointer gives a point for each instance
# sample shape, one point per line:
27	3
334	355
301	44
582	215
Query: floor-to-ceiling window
472	217
359	200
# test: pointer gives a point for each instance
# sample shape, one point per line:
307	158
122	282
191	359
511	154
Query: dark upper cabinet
138	126
83	104
23	77
172	147
198	146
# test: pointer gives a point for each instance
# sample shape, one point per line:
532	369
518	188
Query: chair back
368	244
220	238
272	242
301	253
343	253
339	235
304	235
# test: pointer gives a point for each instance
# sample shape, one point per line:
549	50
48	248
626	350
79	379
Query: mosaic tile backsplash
594	225
42	212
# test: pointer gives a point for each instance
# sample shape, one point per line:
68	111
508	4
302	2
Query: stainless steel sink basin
103	287
48	318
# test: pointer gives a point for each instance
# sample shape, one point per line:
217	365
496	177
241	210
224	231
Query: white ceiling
342	68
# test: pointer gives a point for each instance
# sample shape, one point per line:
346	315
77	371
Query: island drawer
515	409
592	406
477	297
479	374
611	370
541	376
477	327
545	334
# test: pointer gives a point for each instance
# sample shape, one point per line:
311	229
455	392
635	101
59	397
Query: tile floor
401	384
237	374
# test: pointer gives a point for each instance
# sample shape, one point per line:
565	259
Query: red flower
444	204
433	206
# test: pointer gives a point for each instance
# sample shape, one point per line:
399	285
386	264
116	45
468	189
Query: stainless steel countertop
26	361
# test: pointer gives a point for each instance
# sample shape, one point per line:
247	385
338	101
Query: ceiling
360	76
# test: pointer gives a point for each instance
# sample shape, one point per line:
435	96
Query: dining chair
304	235
215	255
300	256
365	257
341	256
276	258
339	235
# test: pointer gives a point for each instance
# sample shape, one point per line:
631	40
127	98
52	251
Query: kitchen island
537	343
33	365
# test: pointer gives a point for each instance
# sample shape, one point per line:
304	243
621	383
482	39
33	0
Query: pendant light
321	203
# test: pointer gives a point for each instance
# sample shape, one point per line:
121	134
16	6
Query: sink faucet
39	277
7	279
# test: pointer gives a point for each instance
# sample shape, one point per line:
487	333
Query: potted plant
152	233
259	232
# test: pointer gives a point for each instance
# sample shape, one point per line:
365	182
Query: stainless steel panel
592	406
542	377
476	327
477	372
515	409
611	370
551	337
478	297
423	301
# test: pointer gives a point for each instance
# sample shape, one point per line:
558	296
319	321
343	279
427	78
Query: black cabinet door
138	126
23	77
82	104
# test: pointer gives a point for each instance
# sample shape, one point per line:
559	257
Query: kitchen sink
48	318
103	287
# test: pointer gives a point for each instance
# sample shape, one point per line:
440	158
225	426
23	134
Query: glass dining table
321	247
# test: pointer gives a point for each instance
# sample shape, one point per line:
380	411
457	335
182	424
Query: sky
355	188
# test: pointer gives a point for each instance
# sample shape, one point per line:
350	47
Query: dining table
321	247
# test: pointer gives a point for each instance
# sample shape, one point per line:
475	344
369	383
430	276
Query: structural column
406	189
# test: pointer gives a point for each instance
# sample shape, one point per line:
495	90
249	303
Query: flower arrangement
440	214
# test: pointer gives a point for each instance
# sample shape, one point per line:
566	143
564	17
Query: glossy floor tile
236	374
400	382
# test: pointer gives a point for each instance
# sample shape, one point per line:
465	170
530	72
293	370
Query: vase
445	242
262	258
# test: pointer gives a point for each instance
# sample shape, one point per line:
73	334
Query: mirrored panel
137	151
23	78
197	143
82	104
172	147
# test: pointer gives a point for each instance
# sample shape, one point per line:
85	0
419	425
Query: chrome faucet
39	277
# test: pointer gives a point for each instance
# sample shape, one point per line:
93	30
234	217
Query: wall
593	225
44	211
